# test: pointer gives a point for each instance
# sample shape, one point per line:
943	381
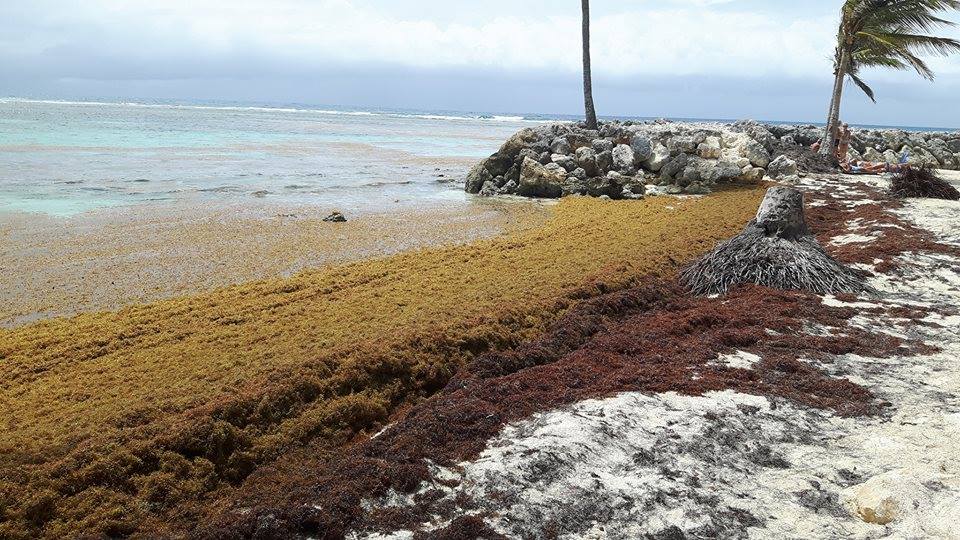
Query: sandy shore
108	259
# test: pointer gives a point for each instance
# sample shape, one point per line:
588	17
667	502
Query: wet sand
108	259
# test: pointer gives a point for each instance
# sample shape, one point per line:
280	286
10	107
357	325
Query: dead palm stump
774	250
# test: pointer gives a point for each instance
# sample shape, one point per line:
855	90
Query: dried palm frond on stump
922	182
774	250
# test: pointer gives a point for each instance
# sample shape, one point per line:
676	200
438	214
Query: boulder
567	162
578	173
335	217
751	174
681	145
537	180
872	154
674	167
489	189
587	159
709	148
603	145
560	145
605	162
889	156
642	148
954	145
477	177
623	158
696	188
755	152
659	158
788	140
782	167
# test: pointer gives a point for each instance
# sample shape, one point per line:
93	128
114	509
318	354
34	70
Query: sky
762	59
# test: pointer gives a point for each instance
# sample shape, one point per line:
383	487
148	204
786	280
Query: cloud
679	37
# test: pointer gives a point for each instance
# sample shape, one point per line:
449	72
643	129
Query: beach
218	361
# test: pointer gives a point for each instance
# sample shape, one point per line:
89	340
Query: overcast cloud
691	58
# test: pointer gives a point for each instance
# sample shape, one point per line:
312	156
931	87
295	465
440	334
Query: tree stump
774	250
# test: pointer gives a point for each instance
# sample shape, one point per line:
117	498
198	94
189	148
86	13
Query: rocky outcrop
619	160
692	158
935	149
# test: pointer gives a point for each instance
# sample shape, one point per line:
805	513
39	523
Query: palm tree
587	82
885	33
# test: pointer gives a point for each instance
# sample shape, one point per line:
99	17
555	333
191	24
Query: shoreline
106	260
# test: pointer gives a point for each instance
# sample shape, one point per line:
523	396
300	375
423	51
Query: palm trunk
827	147
591	113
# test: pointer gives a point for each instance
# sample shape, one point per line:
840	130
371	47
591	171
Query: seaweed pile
922	182
653	338
140	421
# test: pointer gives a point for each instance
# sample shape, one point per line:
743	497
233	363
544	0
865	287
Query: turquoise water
63	158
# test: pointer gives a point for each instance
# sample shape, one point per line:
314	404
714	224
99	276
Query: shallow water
63	158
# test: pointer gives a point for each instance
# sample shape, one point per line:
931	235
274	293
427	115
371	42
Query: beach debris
774	250
922	182
335	217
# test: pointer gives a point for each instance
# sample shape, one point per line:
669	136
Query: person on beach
870	167
843	142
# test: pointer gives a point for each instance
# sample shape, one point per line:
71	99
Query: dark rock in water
335	217
261	193
477	177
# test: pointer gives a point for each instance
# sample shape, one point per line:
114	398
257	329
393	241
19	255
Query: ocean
63	158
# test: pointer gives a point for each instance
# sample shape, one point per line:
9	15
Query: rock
578	173
477	177
852	155
674	167
560	145
659	158
674	190
756	153
642	148
954	145
489	189
537	180
872	154
752	174
509	188
567	162
889	156
610	185
681	145
623	158
335	217
520	140
603	145
527	153
587	159
634	187
605	162
888	497
543	158
709	148
782	167
788	140
696	188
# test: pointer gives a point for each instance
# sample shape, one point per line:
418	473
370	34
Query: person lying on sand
871	167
